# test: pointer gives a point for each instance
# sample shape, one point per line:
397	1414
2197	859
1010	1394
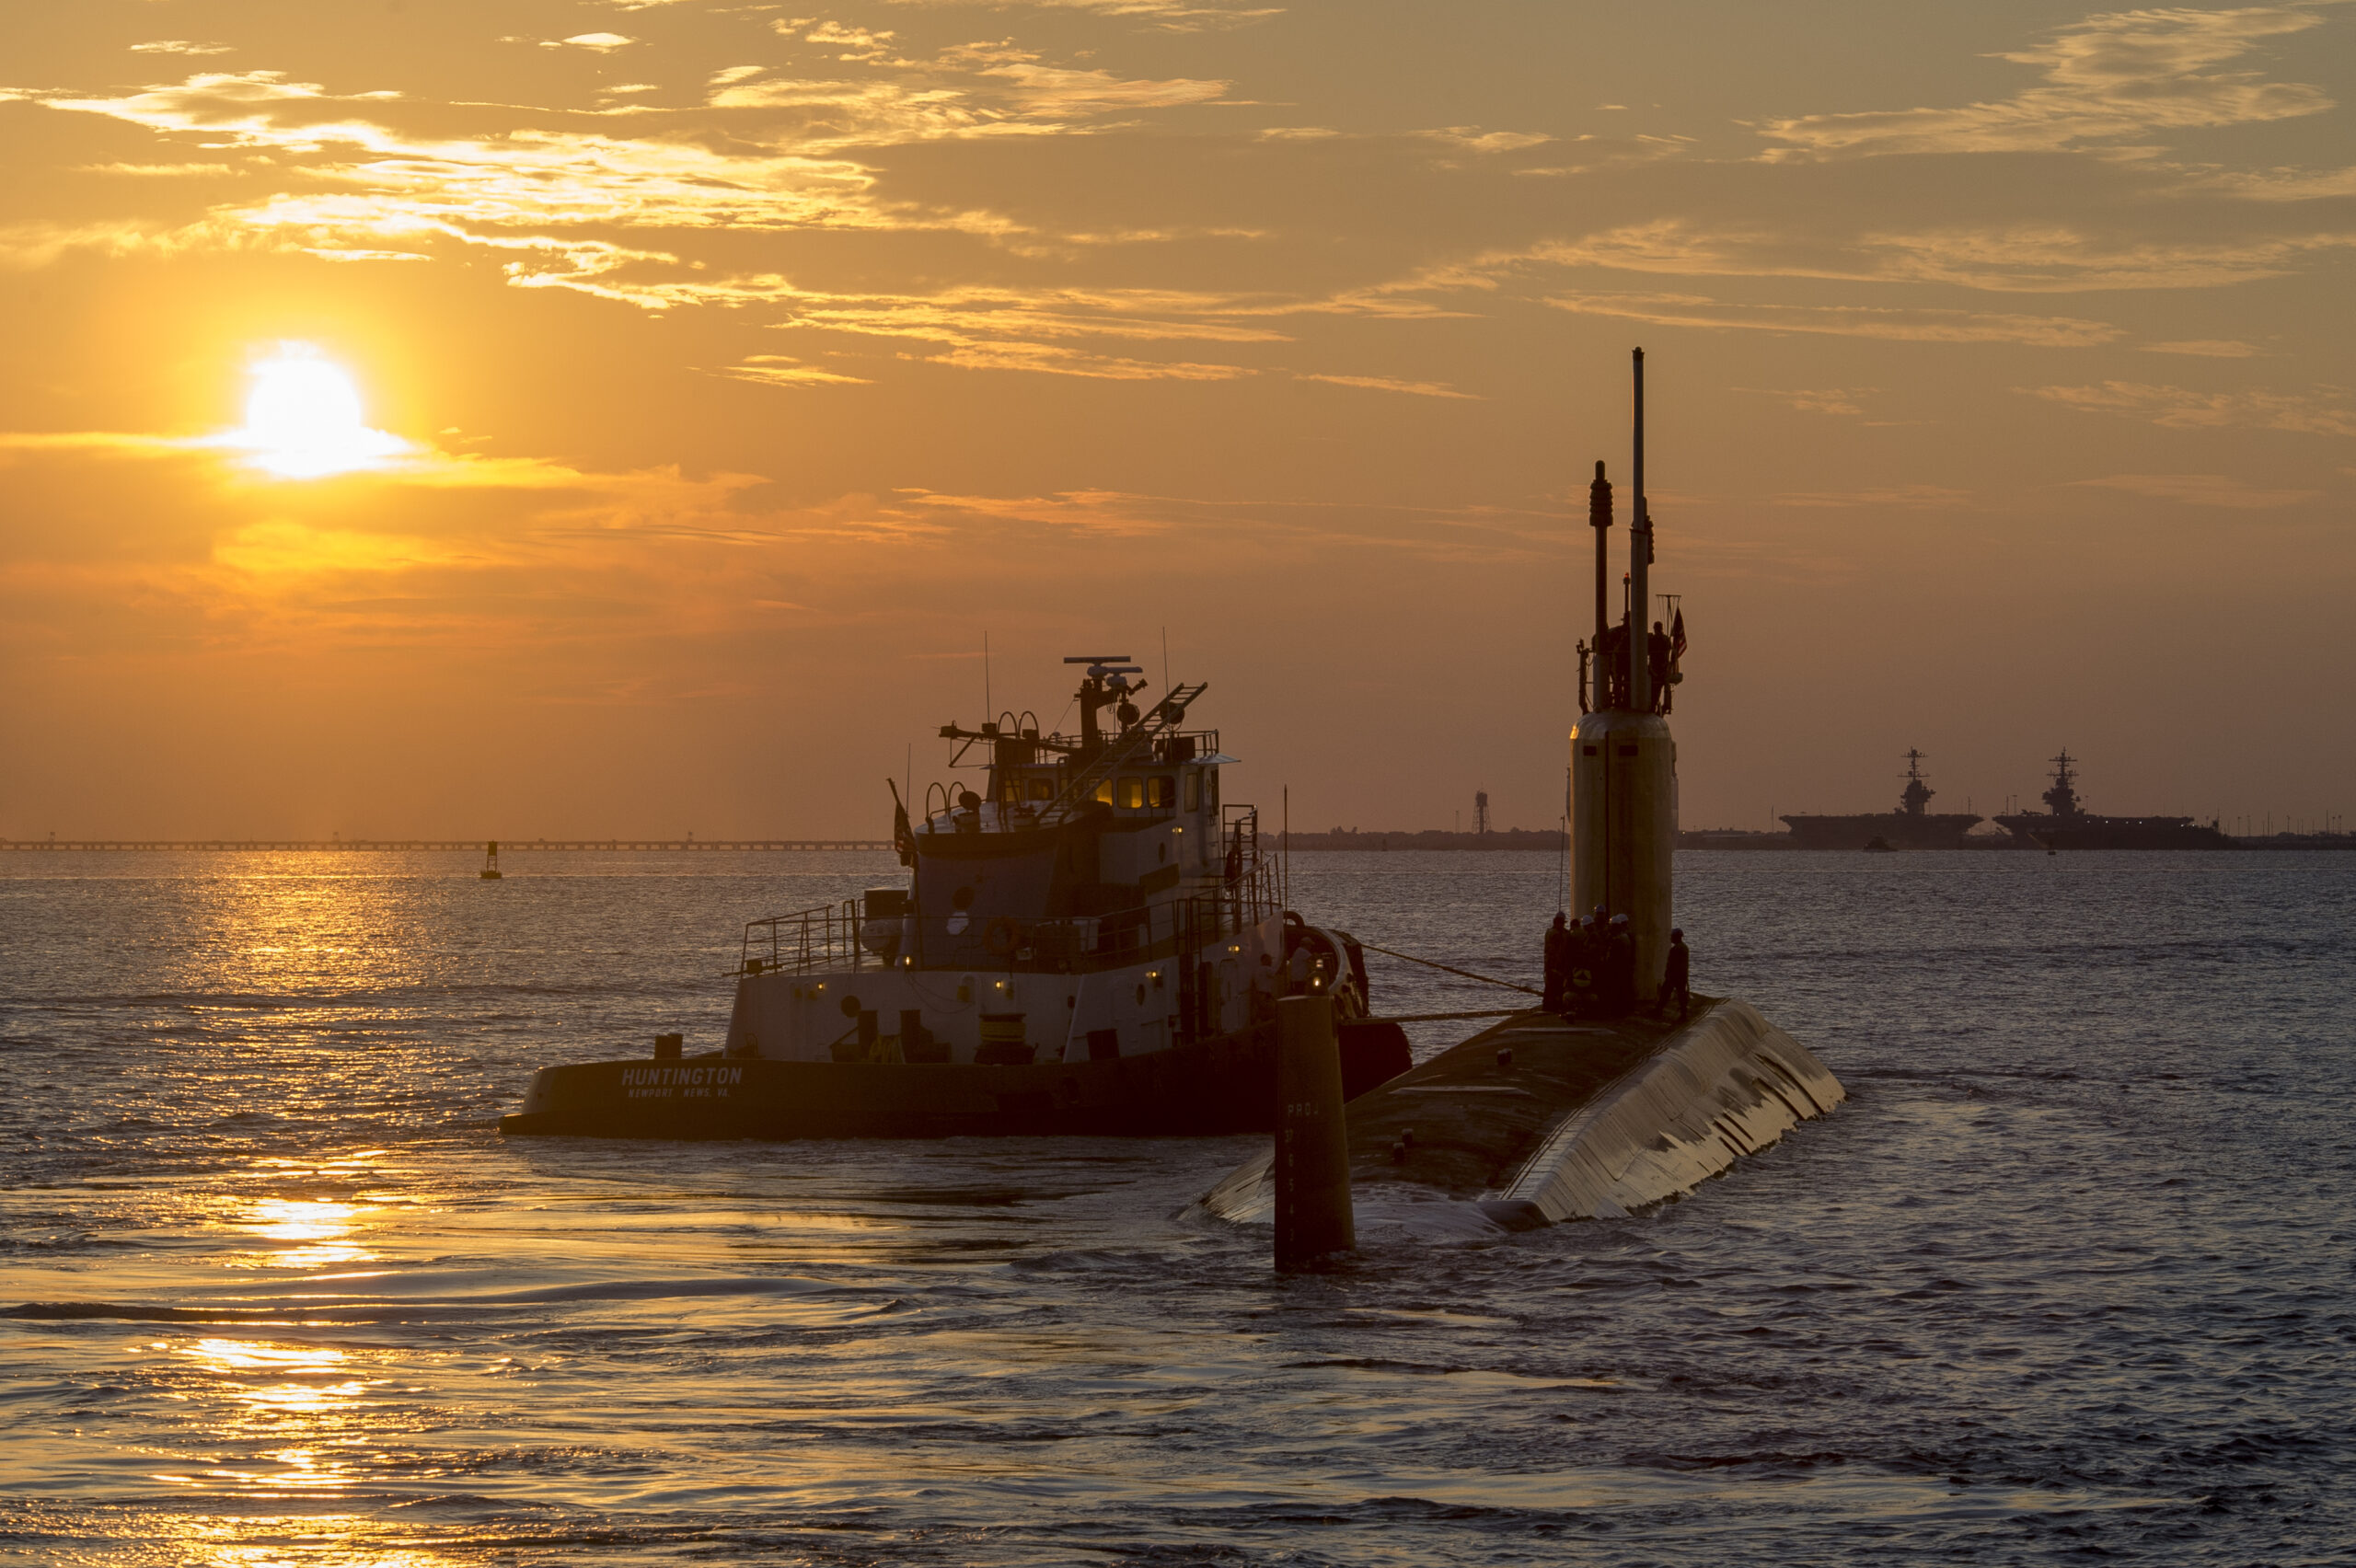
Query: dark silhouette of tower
1480	810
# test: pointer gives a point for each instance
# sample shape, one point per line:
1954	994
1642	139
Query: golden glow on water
312	1232
326	1228
287	1219
330	1540
308	1401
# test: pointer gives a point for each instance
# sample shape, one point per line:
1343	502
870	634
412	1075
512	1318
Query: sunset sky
631	417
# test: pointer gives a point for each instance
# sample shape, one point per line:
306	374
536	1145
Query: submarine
1604	1106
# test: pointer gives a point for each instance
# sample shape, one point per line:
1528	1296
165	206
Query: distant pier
471	846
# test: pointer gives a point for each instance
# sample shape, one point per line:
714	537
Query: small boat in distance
491	861
1092	942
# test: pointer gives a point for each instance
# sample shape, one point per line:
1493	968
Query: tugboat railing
833	938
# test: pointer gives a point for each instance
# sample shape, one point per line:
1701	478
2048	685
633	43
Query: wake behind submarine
1545	1117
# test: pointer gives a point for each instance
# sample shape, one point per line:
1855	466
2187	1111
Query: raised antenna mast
1640	550
1598	517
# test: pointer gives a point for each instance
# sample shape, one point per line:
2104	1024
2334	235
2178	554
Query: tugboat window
1104	791
1165	792
1193	790
1042	788
1211	790
1132	792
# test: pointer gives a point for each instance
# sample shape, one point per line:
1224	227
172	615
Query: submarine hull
1223	1085
1541	1120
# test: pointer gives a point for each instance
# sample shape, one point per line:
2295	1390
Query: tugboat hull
1199	1089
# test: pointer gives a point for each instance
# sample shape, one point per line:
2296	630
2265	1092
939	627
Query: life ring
999	935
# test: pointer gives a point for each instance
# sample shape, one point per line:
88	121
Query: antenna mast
1598	517
1640	550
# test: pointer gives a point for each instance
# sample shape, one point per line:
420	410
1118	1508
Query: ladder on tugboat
1123	750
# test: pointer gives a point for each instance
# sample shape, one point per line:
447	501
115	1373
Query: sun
304	419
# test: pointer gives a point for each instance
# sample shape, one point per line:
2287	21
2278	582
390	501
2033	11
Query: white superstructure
1094	898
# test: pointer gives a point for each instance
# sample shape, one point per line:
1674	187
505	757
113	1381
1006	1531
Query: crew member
1677	977
1612	667
1658	656
1619	967
1578	970
1558	964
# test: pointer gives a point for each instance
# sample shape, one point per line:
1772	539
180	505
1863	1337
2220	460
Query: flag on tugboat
904	836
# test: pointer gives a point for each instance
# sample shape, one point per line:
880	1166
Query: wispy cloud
1473	139
1385	384
2205	347
2280	184
2320	411
2051	258
1041	330
2107	79
178	46
784	370
366	187
849	44
1172	15
158	171
2202	490
2043	258
1894	498
403	464
1831	400
598	42
1897	323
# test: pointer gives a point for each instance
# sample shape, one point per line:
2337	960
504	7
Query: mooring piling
1313	1163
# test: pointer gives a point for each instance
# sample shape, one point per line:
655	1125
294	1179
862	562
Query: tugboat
2066	825
1908	827
1091	943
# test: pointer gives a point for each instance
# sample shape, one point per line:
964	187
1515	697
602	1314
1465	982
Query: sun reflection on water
310	1230
323	1230
330	1540
308	1403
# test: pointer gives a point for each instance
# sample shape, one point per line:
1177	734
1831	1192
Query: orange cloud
2202	490
2322	411
2108	78
1898	323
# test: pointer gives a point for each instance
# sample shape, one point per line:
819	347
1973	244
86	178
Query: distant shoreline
467	846
1523	840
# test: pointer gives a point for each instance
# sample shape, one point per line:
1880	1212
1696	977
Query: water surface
2069	1278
